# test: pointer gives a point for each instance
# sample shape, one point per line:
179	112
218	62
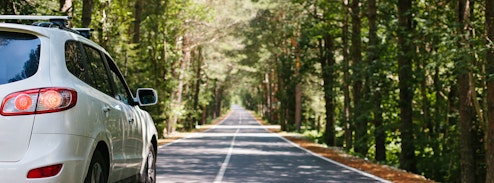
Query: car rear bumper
49	149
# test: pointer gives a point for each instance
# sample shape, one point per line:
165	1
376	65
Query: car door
133	139
115	121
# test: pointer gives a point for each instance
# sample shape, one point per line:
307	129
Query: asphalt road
239	149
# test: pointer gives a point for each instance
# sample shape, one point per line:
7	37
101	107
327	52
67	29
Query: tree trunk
204	116
66	7
281	96
218	100
465	97
87	10
298	107
327	64
298	87
268	97
197	87
215	98
204	107
137	21
373	51
489	155
346	83
361	144
405	52
466	136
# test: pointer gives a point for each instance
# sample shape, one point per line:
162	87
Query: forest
407	83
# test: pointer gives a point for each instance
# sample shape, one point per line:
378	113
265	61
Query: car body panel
15	134
48	149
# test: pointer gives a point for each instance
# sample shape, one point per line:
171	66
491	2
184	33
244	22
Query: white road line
330	160
221	173
337	163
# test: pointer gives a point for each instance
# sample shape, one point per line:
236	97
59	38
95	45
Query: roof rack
60	21
53	22
86	32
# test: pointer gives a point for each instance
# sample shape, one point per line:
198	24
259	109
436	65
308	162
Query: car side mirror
146	97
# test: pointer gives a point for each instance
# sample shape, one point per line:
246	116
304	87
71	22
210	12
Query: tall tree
361	144
298	85
348	125
405	74
327	66
373	60
465	94
198	80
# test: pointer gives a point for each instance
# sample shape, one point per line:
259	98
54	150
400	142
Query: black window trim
120	77
104	64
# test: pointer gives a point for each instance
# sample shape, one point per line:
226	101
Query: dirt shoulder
382	171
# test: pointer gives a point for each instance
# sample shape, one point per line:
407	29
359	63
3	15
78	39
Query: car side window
97	70
74	61
121	89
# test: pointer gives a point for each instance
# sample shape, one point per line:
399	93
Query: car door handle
106	109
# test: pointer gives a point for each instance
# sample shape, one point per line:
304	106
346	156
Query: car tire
149	173
98	169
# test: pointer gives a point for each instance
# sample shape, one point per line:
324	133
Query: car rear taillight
38	101
43	172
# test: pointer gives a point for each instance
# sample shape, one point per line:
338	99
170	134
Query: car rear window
19	56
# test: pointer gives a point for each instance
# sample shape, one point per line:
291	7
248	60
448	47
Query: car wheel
98	171
150	167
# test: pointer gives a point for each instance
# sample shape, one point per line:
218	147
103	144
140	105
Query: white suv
67	114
